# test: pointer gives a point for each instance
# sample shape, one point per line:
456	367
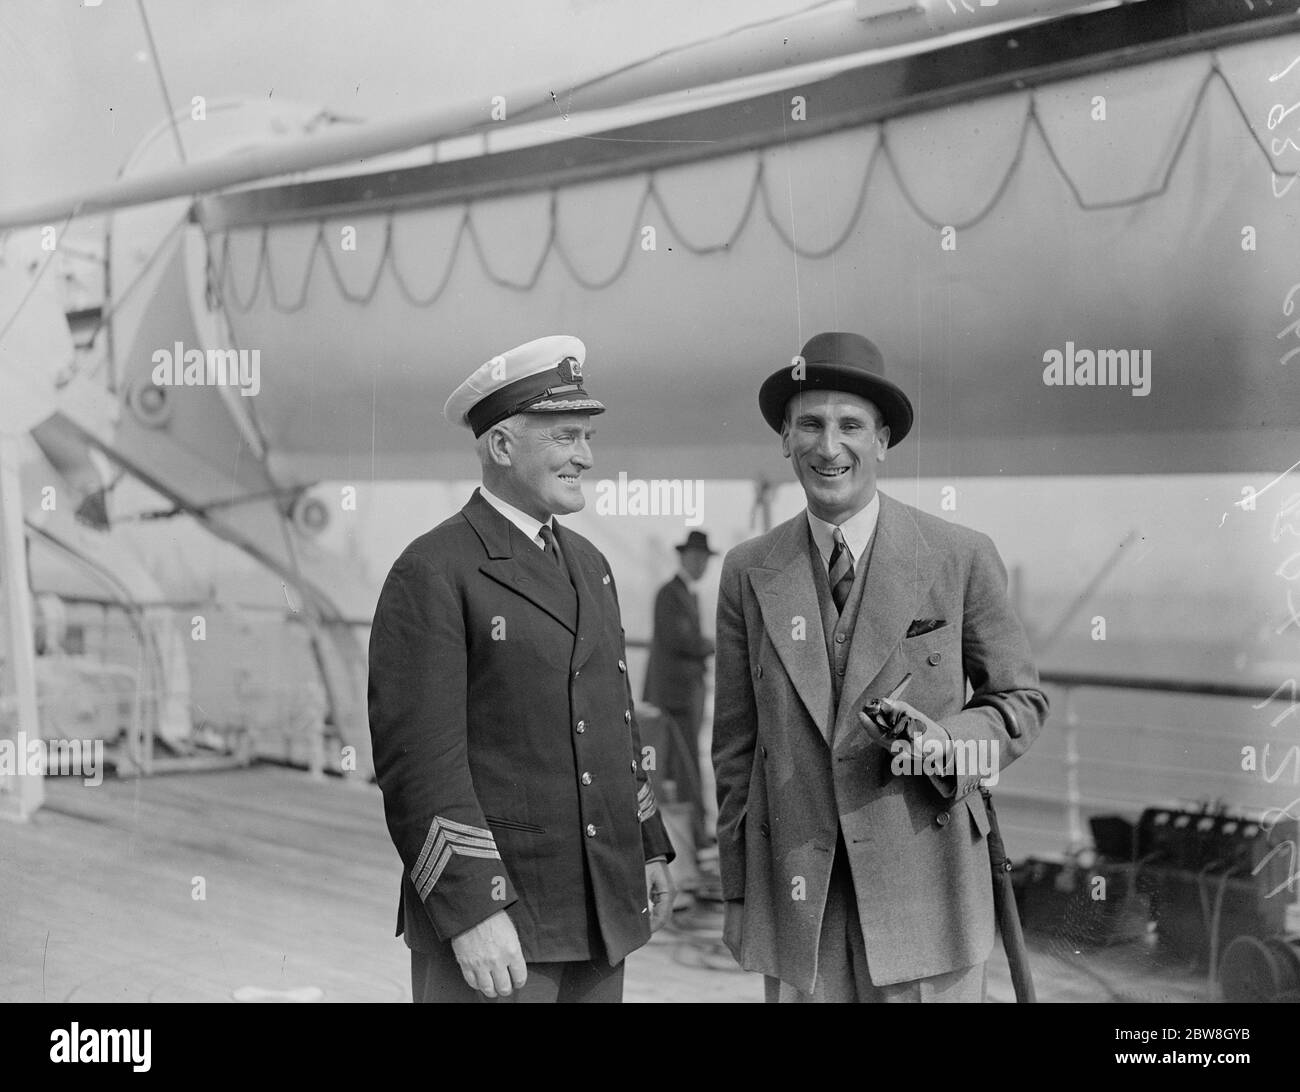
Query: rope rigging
222	283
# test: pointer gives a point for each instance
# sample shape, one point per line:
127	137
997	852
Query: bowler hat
838	362
697	540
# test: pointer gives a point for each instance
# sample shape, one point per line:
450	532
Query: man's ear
882	438
785	440
499	444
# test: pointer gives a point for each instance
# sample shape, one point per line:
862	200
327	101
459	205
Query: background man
845	880
674	679
501	715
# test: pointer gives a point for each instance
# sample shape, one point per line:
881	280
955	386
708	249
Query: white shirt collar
858	529
526	523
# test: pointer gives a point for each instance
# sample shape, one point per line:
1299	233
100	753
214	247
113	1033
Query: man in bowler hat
534	857
850	875
679	653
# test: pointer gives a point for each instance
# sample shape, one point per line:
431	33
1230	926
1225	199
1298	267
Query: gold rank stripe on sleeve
645	803
446	839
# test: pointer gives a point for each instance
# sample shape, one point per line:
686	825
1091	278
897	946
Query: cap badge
570	369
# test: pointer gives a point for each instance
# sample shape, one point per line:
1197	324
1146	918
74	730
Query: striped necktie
841	570
552	547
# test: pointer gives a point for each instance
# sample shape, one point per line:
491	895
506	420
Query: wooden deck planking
95	904
301	889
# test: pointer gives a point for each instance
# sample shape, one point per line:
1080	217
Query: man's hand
733	910
490	957
902	725
660	893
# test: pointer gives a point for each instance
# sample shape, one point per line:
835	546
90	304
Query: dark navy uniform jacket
505	742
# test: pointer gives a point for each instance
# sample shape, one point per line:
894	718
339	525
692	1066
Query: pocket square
924	625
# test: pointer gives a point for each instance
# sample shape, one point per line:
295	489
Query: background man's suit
505	744
675	680
795	771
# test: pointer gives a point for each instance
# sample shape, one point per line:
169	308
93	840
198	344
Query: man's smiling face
834	441
548	453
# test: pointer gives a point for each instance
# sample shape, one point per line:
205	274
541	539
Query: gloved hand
893	724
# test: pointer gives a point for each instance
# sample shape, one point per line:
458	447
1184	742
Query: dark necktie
841	571
552	547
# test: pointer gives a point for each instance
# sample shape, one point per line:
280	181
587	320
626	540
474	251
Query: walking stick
1004	908
1004	894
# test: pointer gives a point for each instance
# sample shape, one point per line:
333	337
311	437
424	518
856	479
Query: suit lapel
786	593
588	580
900	570
522	574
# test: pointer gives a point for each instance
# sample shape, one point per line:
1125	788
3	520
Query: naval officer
514	786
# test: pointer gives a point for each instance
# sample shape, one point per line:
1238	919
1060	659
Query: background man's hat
696	540
839	362
542	376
